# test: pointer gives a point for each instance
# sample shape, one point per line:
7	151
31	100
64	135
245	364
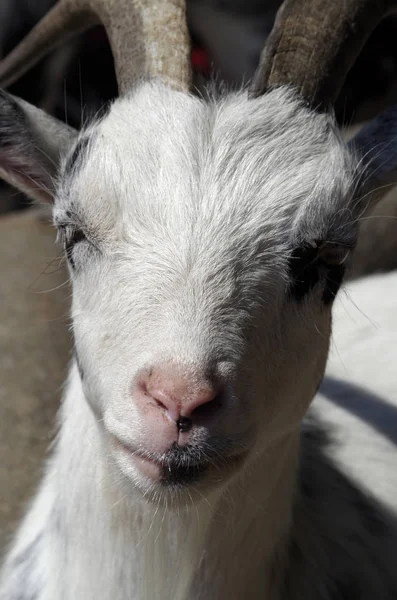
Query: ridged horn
149	39
314	43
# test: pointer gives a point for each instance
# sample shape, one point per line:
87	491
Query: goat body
168	264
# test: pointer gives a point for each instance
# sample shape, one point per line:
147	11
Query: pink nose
183	395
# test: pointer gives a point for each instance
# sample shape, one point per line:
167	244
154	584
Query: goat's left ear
376	148
31	146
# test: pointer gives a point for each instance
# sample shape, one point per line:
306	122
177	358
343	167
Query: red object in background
200	60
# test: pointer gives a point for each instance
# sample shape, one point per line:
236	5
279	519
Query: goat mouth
182	466
186	465
175	468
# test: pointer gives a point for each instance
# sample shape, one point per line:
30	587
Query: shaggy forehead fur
254	174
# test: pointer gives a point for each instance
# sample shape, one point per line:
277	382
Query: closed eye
69	236
76	237
312	263
333	254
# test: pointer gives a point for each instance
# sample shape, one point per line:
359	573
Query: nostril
184	424
184	398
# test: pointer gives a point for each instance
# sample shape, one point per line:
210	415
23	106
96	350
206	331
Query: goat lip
149	467
133	451
173	473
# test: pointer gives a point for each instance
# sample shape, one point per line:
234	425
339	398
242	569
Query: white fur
192	209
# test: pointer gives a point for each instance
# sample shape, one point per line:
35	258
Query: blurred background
78	78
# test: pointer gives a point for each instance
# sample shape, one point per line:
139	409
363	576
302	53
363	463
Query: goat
206	241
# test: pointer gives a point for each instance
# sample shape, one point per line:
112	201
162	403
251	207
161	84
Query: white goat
206	241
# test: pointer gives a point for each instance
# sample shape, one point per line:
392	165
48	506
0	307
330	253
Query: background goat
206	241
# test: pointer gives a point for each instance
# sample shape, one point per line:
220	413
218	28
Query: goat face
206	241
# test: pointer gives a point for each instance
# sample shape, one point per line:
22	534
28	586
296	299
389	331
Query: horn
314	43
149	39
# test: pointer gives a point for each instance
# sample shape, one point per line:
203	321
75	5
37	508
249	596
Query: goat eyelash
333	254
69	235
329	254
77	236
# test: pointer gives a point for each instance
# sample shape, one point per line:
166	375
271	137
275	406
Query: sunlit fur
192	209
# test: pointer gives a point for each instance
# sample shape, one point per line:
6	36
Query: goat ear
376	147
31	145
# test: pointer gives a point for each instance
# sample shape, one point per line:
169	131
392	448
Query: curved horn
314	43
149	38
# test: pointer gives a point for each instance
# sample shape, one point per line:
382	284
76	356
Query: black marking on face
183	465
304	272
307	269
333	282
75	160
